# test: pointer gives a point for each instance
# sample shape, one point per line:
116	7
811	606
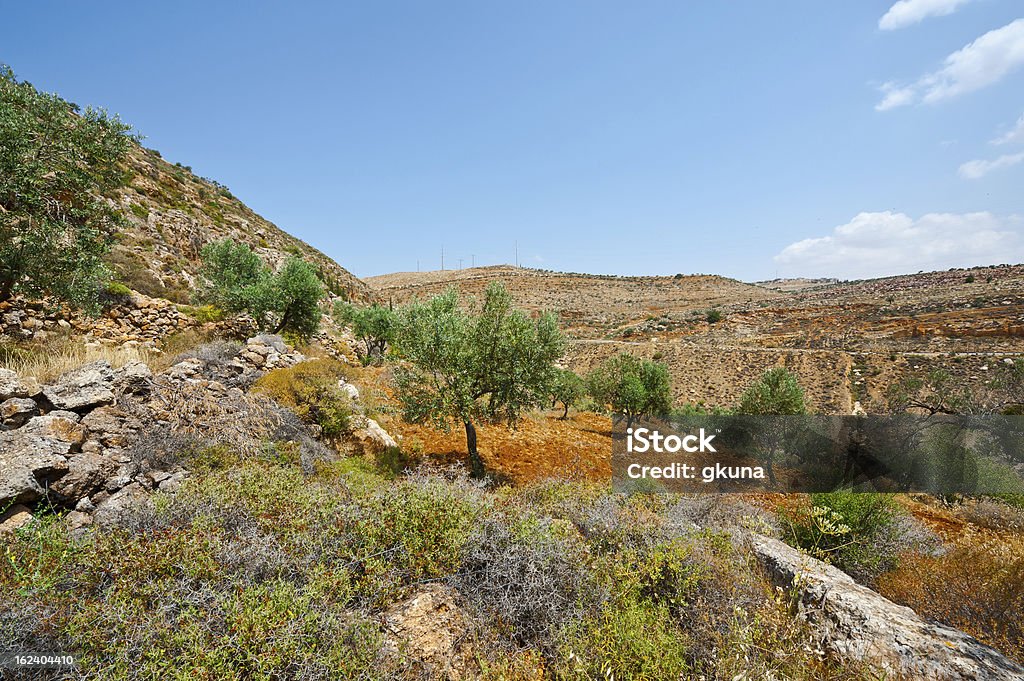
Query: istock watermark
938	454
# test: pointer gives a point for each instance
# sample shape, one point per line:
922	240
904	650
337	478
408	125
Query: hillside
173	213
588	305
846	341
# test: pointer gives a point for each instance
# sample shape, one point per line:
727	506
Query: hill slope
588	305
173	213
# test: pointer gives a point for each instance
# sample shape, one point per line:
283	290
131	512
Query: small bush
863	534
311	390
528	578
203	313
713	316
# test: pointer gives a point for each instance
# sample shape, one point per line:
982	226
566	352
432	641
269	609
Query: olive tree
237	281
633	387
461	366
568	387
375	325
58	164
775	393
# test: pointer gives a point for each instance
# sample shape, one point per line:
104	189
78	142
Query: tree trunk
284	321
6	288
476	464
565	414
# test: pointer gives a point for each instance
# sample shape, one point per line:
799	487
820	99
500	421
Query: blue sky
742	138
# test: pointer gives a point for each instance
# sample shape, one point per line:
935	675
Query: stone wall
135	320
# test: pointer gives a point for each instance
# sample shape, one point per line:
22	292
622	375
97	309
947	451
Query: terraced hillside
847	341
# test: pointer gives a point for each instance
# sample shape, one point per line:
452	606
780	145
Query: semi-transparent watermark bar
938	454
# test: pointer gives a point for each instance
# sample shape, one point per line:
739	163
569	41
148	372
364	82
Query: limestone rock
857	623
115	508
14	518
88	386
132	378
13	386
86	474
29	463
431	629
16	411
63	426
371	436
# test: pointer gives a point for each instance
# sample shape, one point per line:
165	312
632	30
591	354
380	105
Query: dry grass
48	361
974	587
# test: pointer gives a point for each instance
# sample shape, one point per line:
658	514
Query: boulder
133	378
86	473
14	518
29	463
12	386
857	623
63	426
89	386
349	389
371	436
117	507
16	411
431	628
270	341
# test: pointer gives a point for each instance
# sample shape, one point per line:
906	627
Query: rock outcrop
856	623
81	442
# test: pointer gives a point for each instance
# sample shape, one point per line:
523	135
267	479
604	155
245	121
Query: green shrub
311	390
203	313
237	281
862	533
629	639
632	386
713	316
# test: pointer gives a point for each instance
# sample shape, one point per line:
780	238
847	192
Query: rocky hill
588	305
172	213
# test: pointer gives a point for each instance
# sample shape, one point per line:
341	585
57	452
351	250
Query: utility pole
442	258
517	253
460	263
417	265
472	260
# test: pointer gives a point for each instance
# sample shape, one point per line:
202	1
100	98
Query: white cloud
973	170
886	243
1015	134
908	12
983	62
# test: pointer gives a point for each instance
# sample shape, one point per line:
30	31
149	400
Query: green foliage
629	639
235	276
848	529
375	325
568	388
634	387
294	299
713	316
462	366
775	393
203	313
238	281
57	165
310	389
139	211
